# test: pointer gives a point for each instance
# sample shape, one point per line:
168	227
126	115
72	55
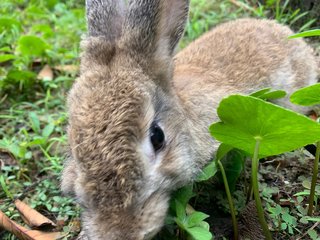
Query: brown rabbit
138	117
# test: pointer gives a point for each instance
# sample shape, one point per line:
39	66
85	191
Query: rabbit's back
242	56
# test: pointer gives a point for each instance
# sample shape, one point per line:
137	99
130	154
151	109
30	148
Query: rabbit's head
128	135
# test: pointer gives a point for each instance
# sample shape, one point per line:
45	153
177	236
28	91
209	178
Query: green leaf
5	49
8	24
20	75
180	211
15	149
268	94
204	225
222	151
233	163
305	193
313	219
303	220
278	209
307	96
45	29
35	122
5	187
313	234
183	195
273	95
199	233
180	223
36	141
32	46
310	33
283	226
196	218
287	218
6	57
245	119
260	92
208	172
48	130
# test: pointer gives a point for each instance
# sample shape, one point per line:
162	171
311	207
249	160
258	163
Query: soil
289	173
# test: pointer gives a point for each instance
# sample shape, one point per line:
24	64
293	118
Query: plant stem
314	179
230	200
255	186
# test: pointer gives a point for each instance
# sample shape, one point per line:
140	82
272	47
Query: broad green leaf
196	218
6	57
199	233
245	119
208	172
307	96
310	33
32	46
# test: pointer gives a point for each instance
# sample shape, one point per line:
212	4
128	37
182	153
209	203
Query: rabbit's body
135	134
240	56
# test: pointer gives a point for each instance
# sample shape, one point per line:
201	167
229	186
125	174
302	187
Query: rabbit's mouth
140	221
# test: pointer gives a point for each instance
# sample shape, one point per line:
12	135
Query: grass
32	113
33	117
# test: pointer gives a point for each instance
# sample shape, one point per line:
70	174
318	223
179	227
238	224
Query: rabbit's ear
155	25
105	18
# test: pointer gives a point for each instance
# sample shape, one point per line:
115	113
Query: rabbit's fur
129	79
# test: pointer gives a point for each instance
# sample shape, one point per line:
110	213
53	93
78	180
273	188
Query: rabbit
139	114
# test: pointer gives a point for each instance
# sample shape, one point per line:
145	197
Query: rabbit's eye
156	136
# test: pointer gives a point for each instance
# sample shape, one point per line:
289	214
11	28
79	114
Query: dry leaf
33	218
23	233
67	68
46	73
13	227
